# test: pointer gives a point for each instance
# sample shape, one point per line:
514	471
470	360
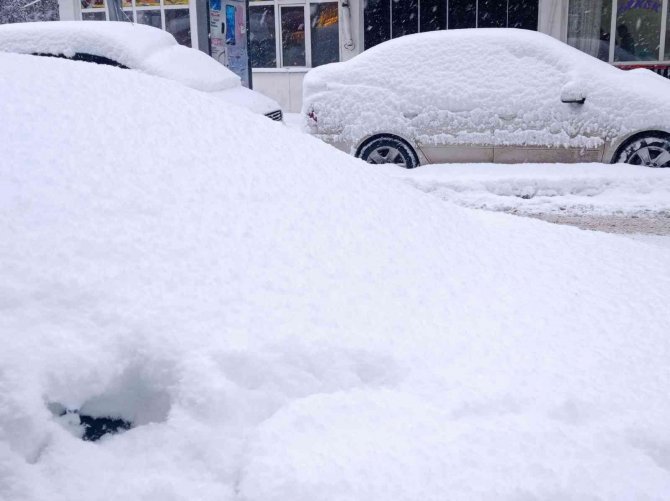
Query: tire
650	151
389	150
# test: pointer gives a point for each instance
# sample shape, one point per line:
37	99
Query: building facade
288	37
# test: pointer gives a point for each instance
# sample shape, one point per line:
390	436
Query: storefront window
93	10
293	36
377	22
462	14
149	17
93	16
522	14
433	15
589	23
325	30
492	14
178	22
384	19
92	4
170	15
405	17
638	29
262	48
638	25
309	33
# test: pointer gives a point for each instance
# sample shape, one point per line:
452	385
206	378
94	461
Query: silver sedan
488	95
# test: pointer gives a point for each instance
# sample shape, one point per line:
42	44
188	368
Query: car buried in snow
136	47
488	95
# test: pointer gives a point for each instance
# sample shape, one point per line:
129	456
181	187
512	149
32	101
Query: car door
545	115
453	126
453	133
457	153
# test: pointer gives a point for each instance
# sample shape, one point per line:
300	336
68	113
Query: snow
595	189
294	121
281	321
483	86
659	240
136	46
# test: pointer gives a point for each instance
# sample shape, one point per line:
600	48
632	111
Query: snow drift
279	321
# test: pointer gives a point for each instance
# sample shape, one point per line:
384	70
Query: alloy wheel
386	155
651	156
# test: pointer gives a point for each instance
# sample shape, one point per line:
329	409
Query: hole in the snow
96	427
136	398
88	428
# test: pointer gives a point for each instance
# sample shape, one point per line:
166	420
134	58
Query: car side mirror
573	94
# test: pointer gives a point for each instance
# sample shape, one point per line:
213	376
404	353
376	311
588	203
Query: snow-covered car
488	95
138	47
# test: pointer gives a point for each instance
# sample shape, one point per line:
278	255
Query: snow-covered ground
615	198
278	322
575	189
658	240
294	121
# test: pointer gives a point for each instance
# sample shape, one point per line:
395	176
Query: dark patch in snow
88	428
97	427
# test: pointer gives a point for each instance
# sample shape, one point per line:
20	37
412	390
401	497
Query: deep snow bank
280	321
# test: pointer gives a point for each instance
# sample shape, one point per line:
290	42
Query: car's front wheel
650	151
388	150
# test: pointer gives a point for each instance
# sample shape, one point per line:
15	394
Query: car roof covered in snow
416	59
136	46
432	61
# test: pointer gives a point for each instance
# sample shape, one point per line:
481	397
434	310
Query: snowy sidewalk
613	198
530	189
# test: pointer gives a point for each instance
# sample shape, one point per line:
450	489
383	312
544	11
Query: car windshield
88	58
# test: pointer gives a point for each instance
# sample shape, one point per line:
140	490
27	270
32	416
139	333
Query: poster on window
228	36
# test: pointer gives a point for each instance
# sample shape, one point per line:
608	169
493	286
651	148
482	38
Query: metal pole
115	11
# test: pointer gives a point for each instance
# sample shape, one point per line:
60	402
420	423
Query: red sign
661	69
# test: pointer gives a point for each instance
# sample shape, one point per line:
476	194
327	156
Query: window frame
162	7
278	4
418	18
662	59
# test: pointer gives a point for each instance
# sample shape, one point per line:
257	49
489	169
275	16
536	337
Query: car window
88	58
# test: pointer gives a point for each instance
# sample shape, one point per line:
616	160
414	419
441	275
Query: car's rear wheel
650	151
389	150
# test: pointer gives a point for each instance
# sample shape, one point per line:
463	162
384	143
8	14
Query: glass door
293	35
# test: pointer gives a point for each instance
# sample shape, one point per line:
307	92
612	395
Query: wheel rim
387	155
652	156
